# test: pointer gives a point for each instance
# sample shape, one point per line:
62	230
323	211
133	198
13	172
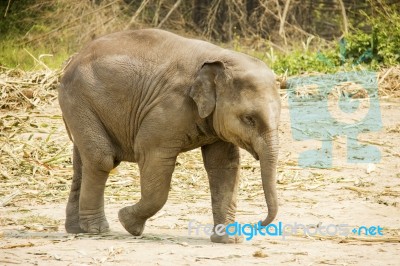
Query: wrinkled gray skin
145	96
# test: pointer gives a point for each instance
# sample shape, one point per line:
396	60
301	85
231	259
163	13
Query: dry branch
73	21
298	29
345	21
137	13
157	13
283	20
177	3
7	8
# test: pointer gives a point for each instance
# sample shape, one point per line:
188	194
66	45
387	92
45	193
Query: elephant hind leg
85	207
94	158
98	160
72	220
95	155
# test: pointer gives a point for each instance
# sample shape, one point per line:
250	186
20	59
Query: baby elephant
145	96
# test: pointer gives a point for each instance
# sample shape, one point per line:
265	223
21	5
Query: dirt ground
31	221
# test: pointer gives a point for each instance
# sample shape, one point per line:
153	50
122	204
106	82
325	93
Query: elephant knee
105	162
100	160
152	206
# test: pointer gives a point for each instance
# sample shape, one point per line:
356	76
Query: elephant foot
73	228
225	239
93	223
132	224
72	220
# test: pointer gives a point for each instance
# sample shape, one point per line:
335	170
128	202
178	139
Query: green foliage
298	62
11	22
370	45
23	18
377	45
313	56
380	43
30	57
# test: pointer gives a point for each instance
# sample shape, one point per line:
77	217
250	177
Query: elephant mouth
255	155
249	149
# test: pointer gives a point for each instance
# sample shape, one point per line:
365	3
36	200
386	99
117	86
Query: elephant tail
68	131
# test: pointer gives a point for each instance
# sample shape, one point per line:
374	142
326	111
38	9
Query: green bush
371	45
298	62
379	44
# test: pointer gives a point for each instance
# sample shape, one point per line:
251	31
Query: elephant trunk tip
270	217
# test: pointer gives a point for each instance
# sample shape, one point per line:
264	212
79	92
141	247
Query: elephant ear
203	91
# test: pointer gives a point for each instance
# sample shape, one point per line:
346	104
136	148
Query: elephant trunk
268	154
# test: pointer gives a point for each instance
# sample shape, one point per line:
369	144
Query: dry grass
389	82
21	90
32	143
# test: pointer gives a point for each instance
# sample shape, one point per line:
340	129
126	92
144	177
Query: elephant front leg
155	179
221	160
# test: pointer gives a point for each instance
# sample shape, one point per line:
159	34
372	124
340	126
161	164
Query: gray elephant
145	96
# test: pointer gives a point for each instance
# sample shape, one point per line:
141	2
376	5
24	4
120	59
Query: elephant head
242	99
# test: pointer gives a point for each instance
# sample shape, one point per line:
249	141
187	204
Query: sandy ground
32	231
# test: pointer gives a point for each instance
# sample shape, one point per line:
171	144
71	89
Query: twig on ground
7	199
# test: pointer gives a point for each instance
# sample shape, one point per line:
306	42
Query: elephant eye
249	120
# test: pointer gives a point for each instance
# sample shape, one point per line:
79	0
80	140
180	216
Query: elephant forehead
255	92
254	80
261	100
